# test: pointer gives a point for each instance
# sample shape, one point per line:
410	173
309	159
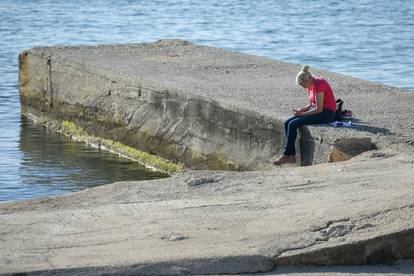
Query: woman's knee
293	124
286	123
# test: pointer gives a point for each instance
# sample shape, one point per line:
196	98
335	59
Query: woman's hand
297	111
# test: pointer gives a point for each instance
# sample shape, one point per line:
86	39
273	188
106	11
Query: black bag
339	112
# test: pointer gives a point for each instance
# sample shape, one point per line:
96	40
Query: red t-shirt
321	85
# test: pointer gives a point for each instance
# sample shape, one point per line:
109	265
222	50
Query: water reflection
51	163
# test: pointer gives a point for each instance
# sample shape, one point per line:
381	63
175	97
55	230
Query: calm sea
372	40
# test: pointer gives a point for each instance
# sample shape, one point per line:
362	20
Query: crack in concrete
214	205
334	228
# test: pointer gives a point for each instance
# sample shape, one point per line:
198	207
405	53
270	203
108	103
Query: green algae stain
73	129
146	158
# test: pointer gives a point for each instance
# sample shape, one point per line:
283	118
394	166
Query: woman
323	100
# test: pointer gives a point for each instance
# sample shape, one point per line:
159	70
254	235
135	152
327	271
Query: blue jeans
291	125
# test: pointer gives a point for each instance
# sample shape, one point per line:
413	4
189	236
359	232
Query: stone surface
206	222
346	148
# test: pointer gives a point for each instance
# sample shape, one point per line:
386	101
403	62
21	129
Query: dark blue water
372	40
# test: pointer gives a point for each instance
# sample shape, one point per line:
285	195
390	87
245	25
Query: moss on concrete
151	160
72	129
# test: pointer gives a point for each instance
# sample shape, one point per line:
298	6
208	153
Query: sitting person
323	101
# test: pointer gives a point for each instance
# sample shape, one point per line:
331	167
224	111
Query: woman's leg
286	124
325	116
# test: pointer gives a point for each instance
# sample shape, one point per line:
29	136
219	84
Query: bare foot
284	159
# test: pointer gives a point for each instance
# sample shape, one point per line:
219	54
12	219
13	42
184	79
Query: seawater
373	40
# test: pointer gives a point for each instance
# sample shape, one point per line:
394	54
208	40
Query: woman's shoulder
321	82
320	79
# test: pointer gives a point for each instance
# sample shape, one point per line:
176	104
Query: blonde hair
303	75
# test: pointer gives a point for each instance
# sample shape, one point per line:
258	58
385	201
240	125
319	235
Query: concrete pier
220	114
202	106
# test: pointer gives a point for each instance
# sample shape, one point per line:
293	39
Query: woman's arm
305	108
319	104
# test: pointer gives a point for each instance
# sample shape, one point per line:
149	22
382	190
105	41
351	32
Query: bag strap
340	103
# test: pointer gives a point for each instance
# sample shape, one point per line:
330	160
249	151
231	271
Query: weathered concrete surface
203	106
206	222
